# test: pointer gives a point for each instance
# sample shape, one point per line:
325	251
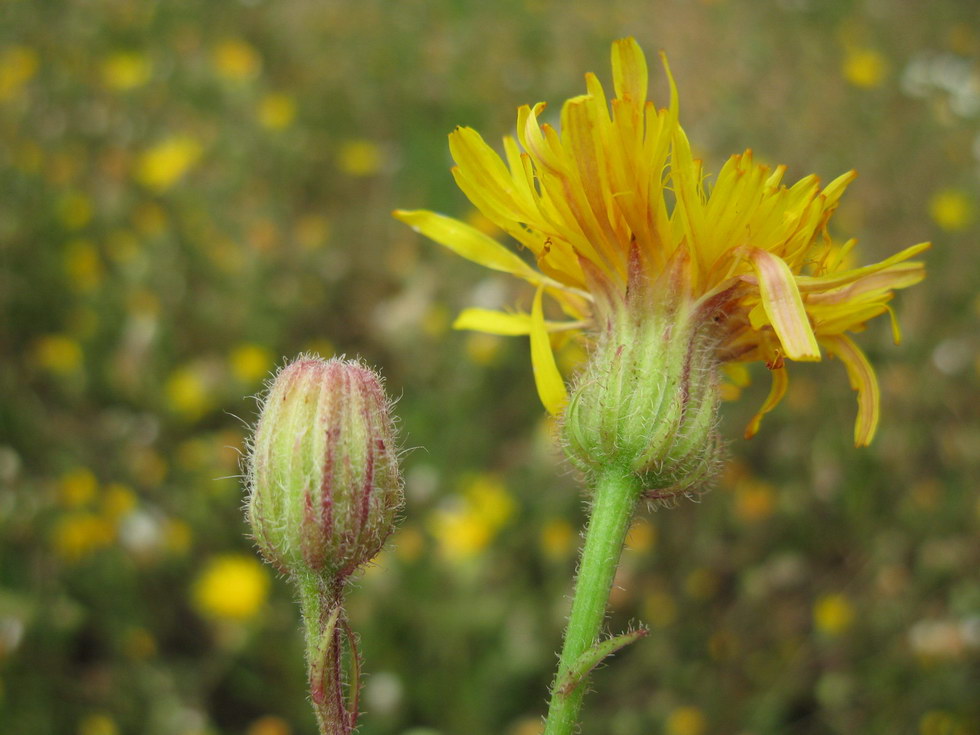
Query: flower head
615	210
323	473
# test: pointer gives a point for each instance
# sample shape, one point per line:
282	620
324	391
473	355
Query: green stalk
614	500
323	621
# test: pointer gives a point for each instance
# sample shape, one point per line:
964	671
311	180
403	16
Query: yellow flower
312	231
277	111
118	501
99	724
83	266
360	158
487	496
642	536
269	725
231	587
75	210
686	721
483	349
952	210
557	538
18	65
189	391
864	67
250	363
236	60
80	534
754	500
833	614
460	533
162	166
58	354
125	70
77	487
615	199
466	528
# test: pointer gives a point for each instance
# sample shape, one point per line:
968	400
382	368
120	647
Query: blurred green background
190	191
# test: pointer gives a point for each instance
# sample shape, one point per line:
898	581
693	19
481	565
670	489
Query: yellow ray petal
873	285
468	242
784	306
506	324
862	378
629	71
780	381
835	280
551	387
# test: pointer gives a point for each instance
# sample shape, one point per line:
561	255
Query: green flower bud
647	399
323	469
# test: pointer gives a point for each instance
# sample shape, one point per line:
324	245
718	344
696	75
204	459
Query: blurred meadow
190	191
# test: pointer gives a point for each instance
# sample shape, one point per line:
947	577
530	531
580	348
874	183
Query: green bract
647	399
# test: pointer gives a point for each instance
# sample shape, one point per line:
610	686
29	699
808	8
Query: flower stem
323	620
614	499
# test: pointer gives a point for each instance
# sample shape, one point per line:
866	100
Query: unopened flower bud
323	473
647	399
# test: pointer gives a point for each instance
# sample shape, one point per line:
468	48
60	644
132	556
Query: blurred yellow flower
864	67
571	355
735	378
77	487
701	584
408	543
312	231
465	529
74	210
18	65
360	157
188	392
78	535
940	722
231	587
177	536
483	349
118	501
529	725
125	70
833	614
686	721
150	219
269	725
952	210
83	266
435	320
250	362
97	724
557	538
147	465
487	496
659	609
160	167
754	500
58	354
459	533
236	60
277	111
642	536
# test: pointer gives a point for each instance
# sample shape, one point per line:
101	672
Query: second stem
614	501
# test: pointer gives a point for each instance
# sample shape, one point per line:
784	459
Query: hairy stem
325	627
614	500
